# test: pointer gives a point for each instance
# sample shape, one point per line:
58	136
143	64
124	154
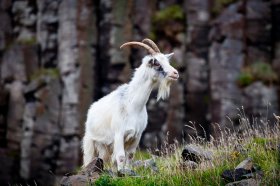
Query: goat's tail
88	150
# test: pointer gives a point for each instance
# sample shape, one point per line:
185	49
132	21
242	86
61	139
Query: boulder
244	170
189	165
196	154
247	182
149	163
234	175
95	166
246	164
75	180
126	172
88	175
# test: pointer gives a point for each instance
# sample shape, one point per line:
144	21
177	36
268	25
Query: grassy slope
259	146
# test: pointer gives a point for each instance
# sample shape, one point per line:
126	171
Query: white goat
116	122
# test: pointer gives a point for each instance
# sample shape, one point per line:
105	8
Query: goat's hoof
126	172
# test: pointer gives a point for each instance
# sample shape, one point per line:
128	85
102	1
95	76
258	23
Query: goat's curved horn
152	44
150	50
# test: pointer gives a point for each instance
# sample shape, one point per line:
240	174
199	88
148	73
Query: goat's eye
156	63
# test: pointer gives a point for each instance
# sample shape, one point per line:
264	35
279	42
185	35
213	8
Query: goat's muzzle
173	75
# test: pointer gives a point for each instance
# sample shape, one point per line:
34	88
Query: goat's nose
175	73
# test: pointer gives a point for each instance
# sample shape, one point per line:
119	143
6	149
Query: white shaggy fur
116	122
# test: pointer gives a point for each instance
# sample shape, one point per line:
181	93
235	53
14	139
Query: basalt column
197	67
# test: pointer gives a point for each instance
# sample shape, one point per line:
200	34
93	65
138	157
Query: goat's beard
163	89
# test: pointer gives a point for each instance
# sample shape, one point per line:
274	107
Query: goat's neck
140	88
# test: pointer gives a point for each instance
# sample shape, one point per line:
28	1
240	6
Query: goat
116	122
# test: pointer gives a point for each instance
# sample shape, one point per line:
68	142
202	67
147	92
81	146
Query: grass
258	143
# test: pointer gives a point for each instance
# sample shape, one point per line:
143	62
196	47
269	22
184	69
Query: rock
247	182
234	175
244	170
95	166
198	71
110	173
261	102
149	163
12	65
246	164
75	180
126	172
189	165
88	175
195	153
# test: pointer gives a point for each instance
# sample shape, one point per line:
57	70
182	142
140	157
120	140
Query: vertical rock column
197	69
41	131
226	58
260	99
141	20
258	31
87	41
275	14
69	69
13	77
114	29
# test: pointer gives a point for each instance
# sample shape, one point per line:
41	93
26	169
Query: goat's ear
169	55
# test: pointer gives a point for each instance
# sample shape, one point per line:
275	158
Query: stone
26	141
149	163
196	154
244	170
198	12
69	150
198	72
86	176
75	180
246	164
96	165
189	165
234	175
225	61
15	114
246	182
12	65
110	173
126	172
261	102
256	10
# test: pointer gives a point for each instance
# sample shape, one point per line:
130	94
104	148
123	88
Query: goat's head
158	66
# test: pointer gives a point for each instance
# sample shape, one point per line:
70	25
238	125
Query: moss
264	72
258	71
245	78
51	72
174	12
218	6
29	41
164	18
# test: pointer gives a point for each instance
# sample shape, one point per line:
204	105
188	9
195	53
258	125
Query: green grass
260	146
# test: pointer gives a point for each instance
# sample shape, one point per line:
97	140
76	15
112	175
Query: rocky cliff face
58	56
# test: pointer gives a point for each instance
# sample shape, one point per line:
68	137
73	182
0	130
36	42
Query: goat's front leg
131	151
119	151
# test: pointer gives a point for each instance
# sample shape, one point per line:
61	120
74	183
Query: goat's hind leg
88	150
